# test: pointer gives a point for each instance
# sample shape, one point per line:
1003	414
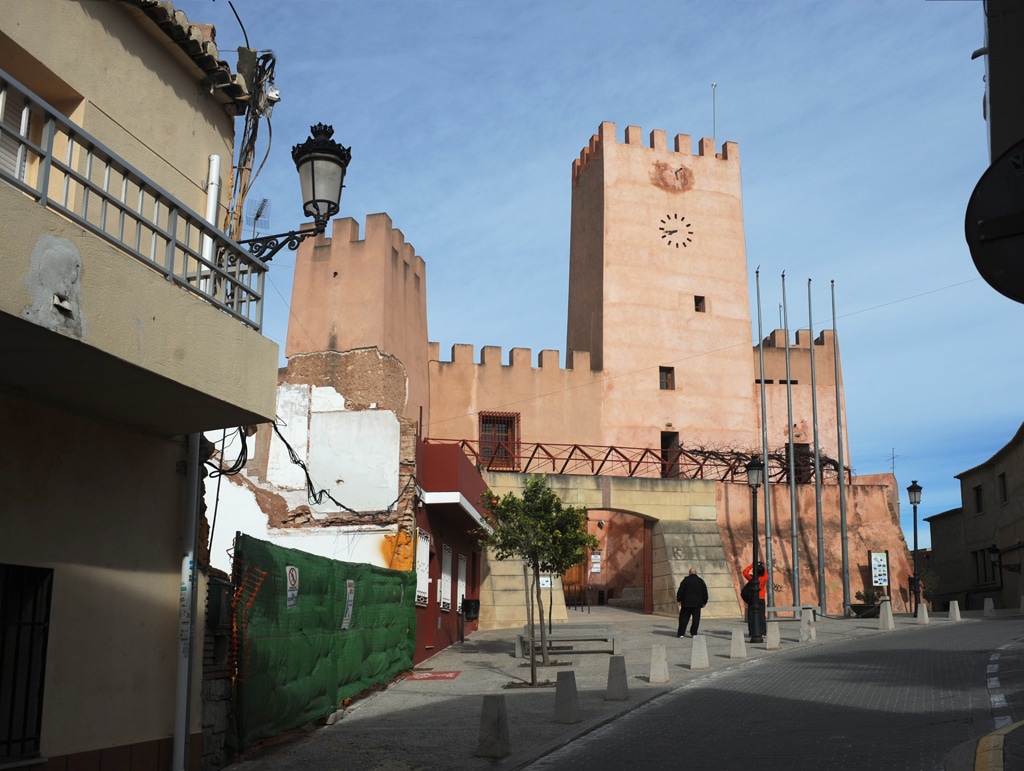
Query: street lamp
914	494
321	163
755	610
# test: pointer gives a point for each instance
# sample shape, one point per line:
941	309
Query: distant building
129	324
977	548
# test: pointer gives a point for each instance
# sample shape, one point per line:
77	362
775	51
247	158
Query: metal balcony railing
596	460
61	167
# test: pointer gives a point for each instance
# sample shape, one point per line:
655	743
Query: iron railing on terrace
61	167
595	460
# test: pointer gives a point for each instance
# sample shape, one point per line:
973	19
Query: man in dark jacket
691	596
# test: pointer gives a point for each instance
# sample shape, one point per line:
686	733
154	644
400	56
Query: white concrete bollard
493	741
886	622
618	687
954	610
773	640
922	614
567	699
659	665
739	645
699	654
990	607
808	632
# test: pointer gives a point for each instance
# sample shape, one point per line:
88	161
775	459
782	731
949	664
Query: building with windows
977	548
129	325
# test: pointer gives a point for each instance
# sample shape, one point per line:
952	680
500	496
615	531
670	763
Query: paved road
899	701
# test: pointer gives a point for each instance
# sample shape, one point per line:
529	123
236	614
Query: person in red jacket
762	577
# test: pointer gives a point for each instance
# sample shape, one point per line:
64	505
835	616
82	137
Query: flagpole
791	450
842	463
817	463
770	590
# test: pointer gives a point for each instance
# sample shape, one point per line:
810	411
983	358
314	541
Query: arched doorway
620	571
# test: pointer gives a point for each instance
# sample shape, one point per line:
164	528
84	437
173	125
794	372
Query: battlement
518	358
682	144
777	339
380	235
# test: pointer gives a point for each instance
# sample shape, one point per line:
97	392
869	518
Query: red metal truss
723	465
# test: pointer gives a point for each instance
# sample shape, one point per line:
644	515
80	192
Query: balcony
116	298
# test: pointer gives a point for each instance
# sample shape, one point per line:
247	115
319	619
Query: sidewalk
431	718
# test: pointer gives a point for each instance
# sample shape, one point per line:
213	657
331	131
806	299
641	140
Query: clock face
675	230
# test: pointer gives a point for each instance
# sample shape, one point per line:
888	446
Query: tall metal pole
764	455
842	463
818	517
792	457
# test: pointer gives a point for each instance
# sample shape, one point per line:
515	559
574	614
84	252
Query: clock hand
670	232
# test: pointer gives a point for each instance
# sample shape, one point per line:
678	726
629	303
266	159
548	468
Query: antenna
258	214
714	113
892	459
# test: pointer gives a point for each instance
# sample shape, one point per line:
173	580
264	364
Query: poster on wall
422	566
545	582
444	586
350	600
879	568
595	562
460	589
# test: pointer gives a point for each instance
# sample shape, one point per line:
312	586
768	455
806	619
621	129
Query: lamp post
755	610
914	494
321	163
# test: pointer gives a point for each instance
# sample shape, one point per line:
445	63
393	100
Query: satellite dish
994	225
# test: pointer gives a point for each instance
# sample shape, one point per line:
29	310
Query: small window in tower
667	378
698	304
1002	488
979	500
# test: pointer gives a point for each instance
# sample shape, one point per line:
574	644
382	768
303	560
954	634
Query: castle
648	423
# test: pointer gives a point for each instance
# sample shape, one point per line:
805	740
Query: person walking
691	597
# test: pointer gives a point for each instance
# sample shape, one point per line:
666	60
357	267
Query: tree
548	536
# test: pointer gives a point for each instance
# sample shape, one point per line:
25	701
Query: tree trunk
529	623
545	658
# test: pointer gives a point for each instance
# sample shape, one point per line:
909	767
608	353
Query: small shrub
870	596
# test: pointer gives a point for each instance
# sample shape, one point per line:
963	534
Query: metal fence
61	167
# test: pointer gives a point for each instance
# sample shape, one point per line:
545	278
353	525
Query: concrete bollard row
699	653
922	614
990	608
493	741
954	610
618	686
739	645
886	622
808	632
567	699
773	640
659	665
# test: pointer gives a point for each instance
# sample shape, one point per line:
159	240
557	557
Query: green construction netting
304	645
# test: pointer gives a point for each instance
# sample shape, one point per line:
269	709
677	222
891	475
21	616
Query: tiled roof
198	42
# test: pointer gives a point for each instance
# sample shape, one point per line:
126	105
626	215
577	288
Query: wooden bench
561	633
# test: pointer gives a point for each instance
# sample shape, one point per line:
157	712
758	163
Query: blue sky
861	137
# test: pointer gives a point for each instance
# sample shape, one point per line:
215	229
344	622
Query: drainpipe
186	609
188	600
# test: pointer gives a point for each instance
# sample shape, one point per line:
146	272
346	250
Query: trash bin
471	609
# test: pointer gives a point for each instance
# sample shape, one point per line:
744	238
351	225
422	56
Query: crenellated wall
556	404
777	396
350	293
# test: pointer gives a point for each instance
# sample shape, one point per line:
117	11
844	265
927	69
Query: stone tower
658	290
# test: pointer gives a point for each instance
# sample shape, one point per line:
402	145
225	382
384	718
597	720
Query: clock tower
658	290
